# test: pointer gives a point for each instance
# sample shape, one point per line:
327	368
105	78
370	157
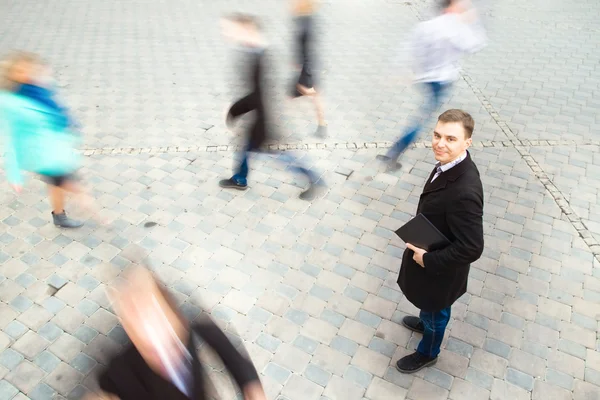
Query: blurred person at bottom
162	360
245	32
452	200
435	49
39	134
303	12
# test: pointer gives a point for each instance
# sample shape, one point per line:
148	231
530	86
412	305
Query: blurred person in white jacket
435	49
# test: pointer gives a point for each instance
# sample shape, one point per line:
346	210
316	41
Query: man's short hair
244	19
456	115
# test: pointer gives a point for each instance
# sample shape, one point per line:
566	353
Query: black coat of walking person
452	200
162	360
245	31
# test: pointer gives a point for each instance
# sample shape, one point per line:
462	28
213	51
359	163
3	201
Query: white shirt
436	47
439	168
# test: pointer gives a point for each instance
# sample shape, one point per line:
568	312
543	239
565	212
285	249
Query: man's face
449	141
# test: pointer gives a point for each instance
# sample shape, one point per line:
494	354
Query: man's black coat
453	203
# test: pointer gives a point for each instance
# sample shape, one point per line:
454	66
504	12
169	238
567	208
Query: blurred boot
62	221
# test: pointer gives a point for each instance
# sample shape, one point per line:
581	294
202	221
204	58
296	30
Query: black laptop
421	233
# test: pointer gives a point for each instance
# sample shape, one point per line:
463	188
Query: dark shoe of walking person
414	362
321	131
413	323
232	184
392	165
314	190
62	221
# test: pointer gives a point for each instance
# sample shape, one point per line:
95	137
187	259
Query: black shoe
62	221
321	131
413	323
313	191
414	362
232	184
392	165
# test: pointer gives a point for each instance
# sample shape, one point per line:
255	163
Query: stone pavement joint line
514	143
523	151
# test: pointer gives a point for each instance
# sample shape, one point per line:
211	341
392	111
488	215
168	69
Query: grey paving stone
520	379
572	348
497	347
306	344
259	314
87	307
276	372
53	304
15	329
118	335
334	318
85	334
25	376
83	363
438	378
559	378
344	345
7	391
358	376
368	318
513	320
57	281
41	392
63	379
21	303
296	316
479	378
10	358
46	361
50	331
382	346
88	282
268	342
317	375
459	347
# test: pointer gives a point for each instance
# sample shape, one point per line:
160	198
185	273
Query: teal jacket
33	141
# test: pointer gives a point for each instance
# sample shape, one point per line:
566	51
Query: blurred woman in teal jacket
38	134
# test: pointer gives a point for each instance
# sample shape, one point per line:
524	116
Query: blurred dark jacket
258	133
130	378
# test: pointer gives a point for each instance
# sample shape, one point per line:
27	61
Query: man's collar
452	163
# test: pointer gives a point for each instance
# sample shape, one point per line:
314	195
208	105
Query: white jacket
436	47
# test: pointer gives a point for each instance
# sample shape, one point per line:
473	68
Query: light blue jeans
436	91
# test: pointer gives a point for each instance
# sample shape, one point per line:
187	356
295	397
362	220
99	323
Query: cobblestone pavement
310	288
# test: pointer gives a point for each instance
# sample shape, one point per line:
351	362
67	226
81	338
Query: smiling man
453	201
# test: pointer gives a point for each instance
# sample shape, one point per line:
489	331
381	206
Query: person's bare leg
316	99
319	107
57	199
84	200
322	128
57	202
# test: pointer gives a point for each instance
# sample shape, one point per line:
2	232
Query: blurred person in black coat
162	362
452	201
245	32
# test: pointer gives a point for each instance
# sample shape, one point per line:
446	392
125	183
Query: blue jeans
241	174
435	325
436	92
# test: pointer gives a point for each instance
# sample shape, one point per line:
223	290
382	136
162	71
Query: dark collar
448	176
